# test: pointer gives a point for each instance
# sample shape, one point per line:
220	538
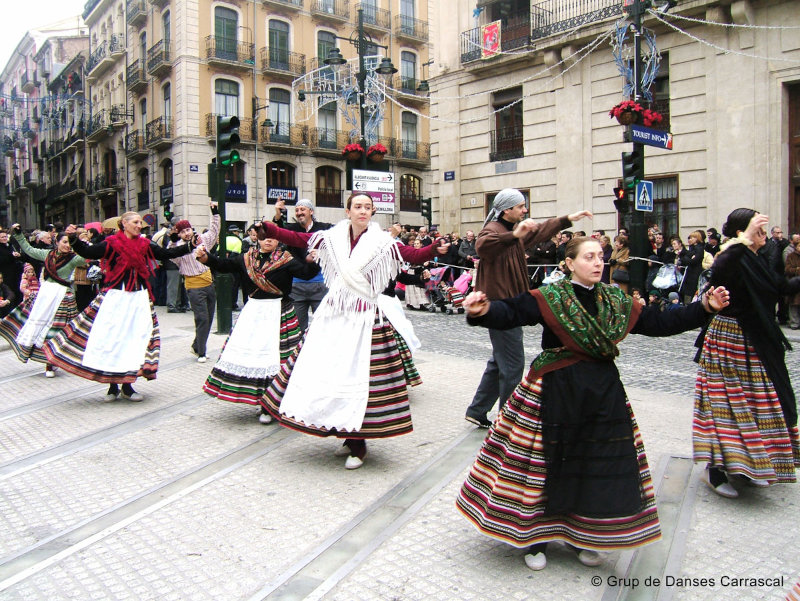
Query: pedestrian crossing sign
644	196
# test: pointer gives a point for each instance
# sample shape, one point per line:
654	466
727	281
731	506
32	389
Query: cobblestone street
183	497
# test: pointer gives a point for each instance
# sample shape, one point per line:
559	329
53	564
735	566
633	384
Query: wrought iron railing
295	3
97	55
336	8
158	55
410	27
97	122
374	16
506	143
230	49
116	43
158	130
328	197
278	59
136	9
322	138
135	74
552	16
134	143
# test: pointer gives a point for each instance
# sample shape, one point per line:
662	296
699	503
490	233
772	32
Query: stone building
533	112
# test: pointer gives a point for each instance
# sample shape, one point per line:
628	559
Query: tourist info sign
651	137
644	196
379	185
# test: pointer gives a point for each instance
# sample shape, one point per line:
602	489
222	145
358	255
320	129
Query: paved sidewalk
185	497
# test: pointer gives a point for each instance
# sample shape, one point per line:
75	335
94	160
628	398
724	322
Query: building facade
532	111
159	72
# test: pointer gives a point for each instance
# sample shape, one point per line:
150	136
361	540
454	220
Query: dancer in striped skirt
116	338
745	411
267	330
349	377
47	312
564	460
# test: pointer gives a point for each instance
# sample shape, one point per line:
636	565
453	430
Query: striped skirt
238	383
738	422
13	322
504	494
391	370
66	349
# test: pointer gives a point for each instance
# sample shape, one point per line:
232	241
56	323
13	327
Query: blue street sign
651	137
644	196
449	176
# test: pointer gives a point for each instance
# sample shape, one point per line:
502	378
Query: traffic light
227	141
632	169
621	200
168	214
425	209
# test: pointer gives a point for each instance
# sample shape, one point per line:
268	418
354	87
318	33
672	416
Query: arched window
409	135
329	187
326	41
279	101
410	192
166	172
280	175
408	71
226	98
226	26
278	44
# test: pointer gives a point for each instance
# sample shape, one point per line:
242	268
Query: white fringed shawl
355	280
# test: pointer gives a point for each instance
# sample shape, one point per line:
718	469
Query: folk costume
46	312
267	330
745	410
116	338
360	390
565	460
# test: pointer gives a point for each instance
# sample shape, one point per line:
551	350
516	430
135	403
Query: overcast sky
18	16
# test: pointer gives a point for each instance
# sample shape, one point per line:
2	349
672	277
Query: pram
448	299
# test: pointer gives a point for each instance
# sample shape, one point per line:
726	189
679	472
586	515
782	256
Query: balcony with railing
283	137
327	142
329	197
290	4
506	143
137	12
413	152
158	134
107	183
99	124
28	82
116	45
159	60
333	10
407	87
136	78
135	148
159	3
98	61
247	128
229	52
282	63
378	19
410	29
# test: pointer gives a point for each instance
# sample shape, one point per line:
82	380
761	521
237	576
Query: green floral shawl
585	338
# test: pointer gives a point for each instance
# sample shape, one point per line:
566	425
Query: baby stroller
446	298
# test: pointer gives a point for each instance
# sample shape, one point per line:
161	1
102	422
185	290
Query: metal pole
222	281
362	78
639	243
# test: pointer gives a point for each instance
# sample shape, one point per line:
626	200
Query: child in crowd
637	296
673	302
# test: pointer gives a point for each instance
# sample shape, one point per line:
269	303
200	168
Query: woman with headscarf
565	461
745	411
267	330
349	377
116	338
32	323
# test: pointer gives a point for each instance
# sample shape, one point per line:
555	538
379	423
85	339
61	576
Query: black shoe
481	422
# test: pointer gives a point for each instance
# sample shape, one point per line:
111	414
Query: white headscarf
507	198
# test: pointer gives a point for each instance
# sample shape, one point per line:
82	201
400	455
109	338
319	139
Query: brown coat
502	270
792	269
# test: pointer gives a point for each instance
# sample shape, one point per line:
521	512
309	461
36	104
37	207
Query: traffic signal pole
638	241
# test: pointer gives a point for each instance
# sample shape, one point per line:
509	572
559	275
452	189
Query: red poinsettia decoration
352	148
376	149
637	111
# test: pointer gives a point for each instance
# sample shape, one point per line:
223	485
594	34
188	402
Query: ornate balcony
506	143
376	19
407	88
230	53
159	133
137	12
159	3
29	83
410	29
413	153
293	5
136	78
99	61
329	197
327	142
135	148
159	60
247	129
282	63
99	126
331	10
284	137
116	45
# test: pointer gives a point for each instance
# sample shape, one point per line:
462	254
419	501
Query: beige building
159	73
534	116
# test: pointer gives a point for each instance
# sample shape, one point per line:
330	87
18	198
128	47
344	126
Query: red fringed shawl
127	260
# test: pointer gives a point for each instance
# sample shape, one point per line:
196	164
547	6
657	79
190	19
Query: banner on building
490	38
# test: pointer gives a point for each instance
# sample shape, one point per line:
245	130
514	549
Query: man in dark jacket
306	294
503	273
10	267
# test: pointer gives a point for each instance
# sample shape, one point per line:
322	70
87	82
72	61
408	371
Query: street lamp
361	40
